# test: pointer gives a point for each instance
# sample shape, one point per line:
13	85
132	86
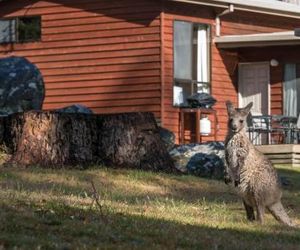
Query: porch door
254	87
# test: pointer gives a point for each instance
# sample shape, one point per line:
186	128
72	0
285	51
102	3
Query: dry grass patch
136	210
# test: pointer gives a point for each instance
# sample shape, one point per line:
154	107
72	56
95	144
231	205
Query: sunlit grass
136	209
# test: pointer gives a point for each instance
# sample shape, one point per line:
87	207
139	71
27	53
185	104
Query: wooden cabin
126	55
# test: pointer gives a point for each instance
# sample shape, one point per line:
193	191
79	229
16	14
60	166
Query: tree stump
132	139
53	139
56	139
12	128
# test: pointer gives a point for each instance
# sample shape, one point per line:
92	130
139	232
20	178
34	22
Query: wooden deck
282	153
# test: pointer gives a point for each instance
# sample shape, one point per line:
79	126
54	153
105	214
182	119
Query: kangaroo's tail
279	213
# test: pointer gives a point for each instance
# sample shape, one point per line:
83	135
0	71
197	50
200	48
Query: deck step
282	154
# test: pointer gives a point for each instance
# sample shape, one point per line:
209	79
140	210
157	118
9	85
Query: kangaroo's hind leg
249	212
260	213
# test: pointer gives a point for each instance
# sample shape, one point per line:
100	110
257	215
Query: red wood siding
224	62
117	56
102	54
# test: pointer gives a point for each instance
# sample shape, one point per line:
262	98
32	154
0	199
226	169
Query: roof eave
234	45
257	40
276	8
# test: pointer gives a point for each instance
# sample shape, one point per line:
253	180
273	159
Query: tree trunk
52	139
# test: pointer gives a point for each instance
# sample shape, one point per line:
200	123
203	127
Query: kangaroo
253	175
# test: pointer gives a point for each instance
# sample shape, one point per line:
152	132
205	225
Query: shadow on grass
292	175
154	187
68	228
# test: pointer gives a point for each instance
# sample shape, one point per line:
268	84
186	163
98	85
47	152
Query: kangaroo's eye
241	121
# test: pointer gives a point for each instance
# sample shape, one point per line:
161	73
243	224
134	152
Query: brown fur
254	176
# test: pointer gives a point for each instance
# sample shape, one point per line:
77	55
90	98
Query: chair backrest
298	121
261	121
249	121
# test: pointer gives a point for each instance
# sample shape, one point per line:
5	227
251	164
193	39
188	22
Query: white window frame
195	84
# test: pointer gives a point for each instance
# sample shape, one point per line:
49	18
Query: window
191	60
291	87
29	29
20	29
7	31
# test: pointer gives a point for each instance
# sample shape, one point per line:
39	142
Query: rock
168	137
76	108
204	160
21	86
206	165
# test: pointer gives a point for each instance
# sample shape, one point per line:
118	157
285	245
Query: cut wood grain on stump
52	139
132	139
12	128
56	139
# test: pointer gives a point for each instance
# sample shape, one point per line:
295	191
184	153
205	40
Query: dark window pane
29	29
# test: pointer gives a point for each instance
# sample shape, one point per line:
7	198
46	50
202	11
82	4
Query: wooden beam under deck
286	154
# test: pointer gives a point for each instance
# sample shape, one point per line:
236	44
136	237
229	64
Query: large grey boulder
204	160
168	138
21	86
76	108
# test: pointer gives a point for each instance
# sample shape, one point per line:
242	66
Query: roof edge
275	8
257	40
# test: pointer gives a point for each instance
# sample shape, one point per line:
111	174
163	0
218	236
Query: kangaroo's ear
230	107
247	109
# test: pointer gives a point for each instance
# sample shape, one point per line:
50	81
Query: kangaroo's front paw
237	182
227	179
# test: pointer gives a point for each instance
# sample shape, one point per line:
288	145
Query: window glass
202	57
291	93
191	60
7	31
183	50
29	29
20	29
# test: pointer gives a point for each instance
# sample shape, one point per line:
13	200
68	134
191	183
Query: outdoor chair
259	129
283	129
288	125
296	131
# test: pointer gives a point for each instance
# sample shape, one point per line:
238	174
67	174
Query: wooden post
198	135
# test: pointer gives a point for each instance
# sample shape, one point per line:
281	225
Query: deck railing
276	129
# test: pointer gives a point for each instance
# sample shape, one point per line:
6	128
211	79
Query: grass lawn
57	209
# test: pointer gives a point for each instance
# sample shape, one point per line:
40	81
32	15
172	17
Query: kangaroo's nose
234	126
